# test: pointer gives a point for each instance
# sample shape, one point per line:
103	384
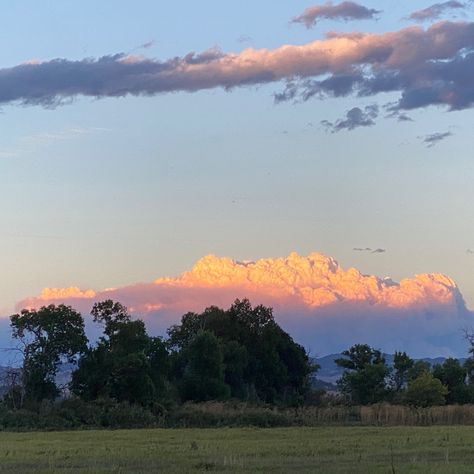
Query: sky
124	158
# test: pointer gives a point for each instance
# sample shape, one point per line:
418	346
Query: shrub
426	391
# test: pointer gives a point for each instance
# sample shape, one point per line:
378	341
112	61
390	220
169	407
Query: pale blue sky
101	193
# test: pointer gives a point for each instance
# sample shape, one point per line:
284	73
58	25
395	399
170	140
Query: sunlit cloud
432	66
313	297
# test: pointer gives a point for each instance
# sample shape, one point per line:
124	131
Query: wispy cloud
354	118
437	10
330	11
434	138
31	143
148	44
244	39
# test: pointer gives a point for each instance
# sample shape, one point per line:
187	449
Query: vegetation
233	367
46	337
321	450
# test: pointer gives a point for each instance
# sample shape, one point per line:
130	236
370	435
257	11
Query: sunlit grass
325	450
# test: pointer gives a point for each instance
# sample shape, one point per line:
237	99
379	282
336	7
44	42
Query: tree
425	391
203	377
47	337
402	363
453	375
126	364
364	380
419	367
261	360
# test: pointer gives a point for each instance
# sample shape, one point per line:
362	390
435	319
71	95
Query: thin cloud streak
435	138
31	143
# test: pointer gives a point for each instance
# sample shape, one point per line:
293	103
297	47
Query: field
325	450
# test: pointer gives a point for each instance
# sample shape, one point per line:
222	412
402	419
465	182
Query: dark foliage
261	361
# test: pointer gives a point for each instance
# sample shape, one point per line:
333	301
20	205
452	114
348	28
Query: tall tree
47	337
453	376
203	377
261	360
364	380
402	363
126	364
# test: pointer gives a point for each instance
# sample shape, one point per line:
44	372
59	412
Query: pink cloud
407	61
320	303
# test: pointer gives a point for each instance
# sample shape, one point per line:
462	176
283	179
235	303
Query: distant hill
330	372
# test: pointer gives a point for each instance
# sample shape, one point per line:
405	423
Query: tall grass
215	414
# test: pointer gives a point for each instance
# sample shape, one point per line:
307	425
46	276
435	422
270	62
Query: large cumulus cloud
323	306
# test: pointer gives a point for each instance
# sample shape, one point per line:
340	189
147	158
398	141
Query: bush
426	391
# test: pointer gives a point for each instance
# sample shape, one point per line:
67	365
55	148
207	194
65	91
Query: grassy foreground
325	450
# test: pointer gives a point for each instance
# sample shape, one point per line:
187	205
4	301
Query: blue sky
101	193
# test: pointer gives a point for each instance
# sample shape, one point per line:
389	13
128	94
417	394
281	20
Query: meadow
446	449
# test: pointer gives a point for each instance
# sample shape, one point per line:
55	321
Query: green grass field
325	450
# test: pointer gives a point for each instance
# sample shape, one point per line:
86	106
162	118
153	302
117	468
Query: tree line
239	353
367	379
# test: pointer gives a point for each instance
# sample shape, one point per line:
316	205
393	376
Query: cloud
433	139
369	250
354	118
329	11
426	67
244	39
436	11
148	44
32	143
323	306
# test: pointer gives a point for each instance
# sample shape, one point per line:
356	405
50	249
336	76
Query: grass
280	450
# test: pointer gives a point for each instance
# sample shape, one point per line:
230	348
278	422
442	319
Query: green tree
47	337
126	364
364	380
425	391
419	367
261	360
453	375
402	363
203	377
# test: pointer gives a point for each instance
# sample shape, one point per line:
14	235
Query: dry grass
214	414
